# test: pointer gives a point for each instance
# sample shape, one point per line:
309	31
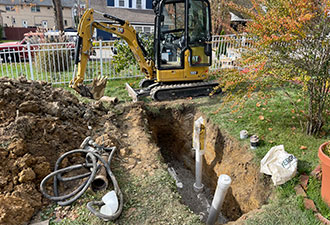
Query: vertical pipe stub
254	141
198	185
224	182
243	134
199	137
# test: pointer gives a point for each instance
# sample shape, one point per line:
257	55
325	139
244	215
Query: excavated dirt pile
37	124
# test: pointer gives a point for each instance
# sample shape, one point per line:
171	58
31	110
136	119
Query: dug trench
172	130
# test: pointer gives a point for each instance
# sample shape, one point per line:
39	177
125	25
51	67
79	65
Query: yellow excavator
182	44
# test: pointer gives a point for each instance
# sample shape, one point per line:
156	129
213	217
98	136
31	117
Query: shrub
124	57
292	44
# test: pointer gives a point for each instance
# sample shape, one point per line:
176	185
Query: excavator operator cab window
183	25
199	33
171	34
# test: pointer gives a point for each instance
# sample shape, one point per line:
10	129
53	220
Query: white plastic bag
281	165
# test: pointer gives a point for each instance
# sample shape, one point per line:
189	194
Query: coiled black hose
93	156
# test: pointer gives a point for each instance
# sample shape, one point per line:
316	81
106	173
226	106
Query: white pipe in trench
224	182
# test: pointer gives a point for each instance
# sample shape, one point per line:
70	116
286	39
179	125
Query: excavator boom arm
120	28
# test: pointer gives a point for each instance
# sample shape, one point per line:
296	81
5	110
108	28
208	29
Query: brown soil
38	123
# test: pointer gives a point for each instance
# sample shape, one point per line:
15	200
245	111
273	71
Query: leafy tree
124	56
220	17
291	43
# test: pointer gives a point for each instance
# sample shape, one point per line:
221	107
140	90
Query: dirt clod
26	175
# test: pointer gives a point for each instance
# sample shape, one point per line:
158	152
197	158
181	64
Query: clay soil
38	123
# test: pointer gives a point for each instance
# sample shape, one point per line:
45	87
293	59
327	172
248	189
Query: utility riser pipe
198	145
224	182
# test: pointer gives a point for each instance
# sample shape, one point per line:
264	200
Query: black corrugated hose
93	157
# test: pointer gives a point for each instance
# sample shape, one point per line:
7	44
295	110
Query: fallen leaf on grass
292	110
258	104
271	141
239	117
293	128
270	129
303	147
299	100
261	117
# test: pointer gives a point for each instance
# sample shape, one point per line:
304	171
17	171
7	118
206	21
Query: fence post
30	60
101	58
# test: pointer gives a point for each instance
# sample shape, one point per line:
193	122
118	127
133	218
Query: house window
24	23
10	8
139	4
121	3
138	29
147	30
35	8
65	23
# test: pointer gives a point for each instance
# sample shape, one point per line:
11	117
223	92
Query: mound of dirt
37	124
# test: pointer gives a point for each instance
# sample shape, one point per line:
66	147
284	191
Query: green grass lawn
276	122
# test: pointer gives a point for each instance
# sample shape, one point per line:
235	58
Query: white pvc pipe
198	186
224	182
198	145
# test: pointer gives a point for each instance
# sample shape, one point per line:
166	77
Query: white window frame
143	2
142	28
126	4
35	9
138	27
25	23
144	31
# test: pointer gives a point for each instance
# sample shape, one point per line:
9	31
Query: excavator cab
183	29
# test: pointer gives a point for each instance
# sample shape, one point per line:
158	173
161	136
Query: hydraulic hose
93	156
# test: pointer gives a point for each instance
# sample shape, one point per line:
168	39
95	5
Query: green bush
124	57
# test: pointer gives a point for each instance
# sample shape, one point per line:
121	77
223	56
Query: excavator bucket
98	86
94	90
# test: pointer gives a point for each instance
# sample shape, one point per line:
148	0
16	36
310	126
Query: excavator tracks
176	91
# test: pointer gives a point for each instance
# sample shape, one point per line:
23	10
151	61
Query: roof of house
66	3
245	3
142	16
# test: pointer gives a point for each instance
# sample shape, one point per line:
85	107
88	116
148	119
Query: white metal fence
54	62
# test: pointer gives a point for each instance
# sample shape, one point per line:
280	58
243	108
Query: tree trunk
58	15
318	94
